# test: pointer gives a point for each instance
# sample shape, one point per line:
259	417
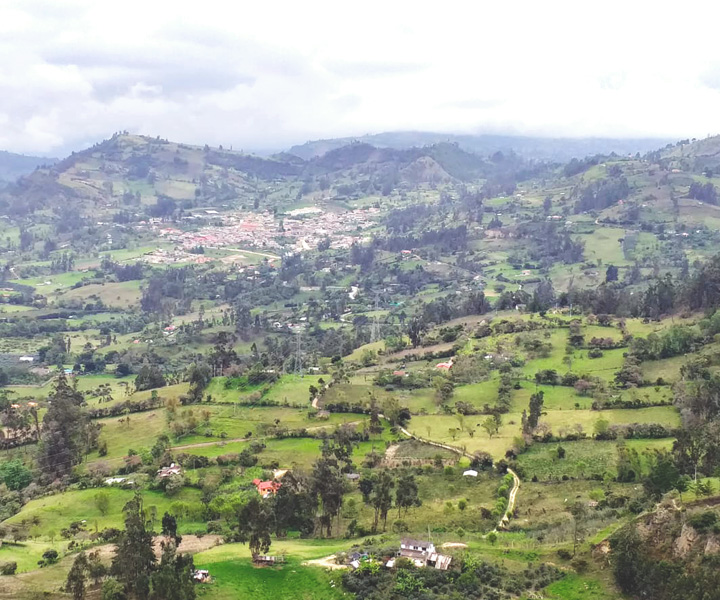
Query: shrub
564	554
482	461
398	526
703	521
112	589
8	568
580	565
49	557
174	484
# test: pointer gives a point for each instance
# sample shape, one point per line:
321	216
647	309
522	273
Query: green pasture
53	513
235	576
440	427
123	295
583	459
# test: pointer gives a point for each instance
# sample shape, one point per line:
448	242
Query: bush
49	557
399	526
703	521
481	461
174	484
580	565
112	589
564	554
8	568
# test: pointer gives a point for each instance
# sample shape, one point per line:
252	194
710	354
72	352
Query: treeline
549	243
602	193
447	239
704	192
471	578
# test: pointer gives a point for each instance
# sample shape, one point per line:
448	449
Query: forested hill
13	165
129	172
538	148
696	156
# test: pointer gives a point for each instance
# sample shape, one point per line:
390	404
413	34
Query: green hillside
355	331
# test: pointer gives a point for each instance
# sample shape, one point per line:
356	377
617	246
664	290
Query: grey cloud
113	73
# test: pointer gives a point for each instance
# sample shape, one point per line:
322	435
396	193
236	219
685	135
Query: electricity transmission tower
298	351
375	327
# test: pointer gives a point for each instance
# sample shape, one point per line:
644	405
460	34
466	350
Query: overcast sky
267	74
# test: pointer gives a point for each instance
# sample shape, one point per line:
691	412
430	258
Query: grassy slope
58	511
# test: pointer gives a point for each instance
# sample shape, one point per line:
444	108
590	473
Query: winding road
512	497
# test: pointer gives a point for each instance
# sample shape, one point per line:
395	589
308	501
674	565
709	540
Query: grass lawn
291	452
294	389
238	421
58	281
236	577
356	355
27	554
418	401
290	389
583	458
604	367
603	243
14	308
556	397
438	427
116	294
667	368
142	432
58	511
477	394
580	587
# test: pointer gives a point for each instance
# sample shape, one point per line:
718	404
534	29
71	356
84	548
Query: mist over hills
14	165
540	148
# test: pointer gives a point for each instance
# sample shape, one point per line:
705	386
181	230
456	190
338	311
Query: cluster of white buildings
304	230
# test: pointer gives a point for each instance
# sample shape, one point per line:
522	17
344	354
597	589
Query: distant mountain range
129	172
13	165
548	149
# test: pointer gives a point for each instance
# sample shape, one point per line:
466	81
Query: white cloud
268	75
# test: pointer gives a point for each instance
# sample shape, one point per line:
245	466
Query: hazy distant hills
552	149
13	165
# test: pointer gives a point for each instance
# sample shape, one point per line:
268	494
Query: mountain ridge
540	148
13	166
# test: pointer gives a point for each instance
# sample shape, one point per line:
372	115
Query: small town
265	231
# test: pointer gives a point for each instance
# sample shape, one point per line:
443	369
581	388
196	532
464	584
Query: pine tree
536	406
65	432
173	578
134	557
382	498
169	528
406	495
77	577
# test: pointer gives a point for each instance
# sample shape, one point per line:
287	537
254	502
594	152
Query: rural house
173	469
422	553
266	488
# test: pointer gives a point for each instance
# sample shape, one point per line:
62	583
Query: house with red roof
446	366
266	488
